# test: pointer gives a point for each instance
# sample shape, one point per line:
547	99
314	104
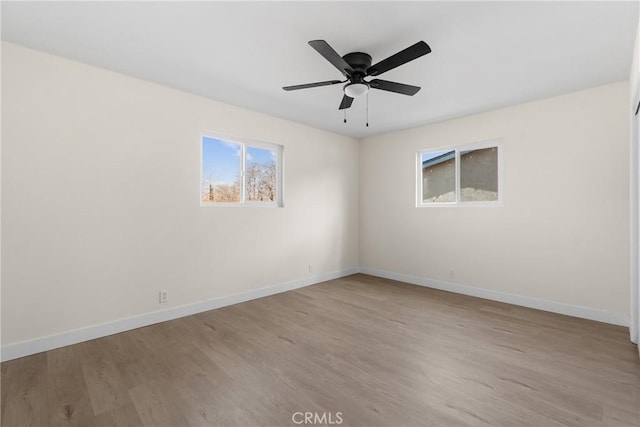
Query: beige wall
100	195
563	233
634	142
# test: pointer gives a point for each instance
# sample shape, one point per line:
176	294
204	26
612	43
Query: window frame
244	143
458	149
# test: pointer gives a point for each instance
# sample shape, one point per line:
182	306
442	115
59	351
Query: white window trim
459	148
279	149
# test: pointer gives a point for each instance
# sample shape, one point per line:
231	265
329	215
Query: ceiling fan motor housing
359	61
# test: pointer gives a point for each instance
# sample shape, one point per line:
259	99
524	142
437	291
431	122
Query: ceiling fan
356	66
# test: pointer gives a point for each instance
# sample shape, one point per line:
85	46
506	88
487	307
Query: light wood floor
381	353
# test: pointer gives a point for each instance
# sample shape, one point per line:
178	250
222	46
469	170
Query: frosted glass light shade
354	90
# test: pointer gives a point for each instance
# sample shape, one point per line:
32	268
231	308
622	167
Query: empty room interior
320	213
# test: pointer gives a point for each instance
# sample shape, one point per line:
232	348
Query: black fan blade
308	85
394	87
332	56
346	102
402	57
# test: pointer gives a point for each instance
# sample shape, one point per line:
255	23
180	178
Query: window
240	173
468	175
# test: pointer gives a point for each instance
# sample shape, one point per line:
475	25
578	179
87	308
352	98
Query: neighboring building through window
439	176
468	175
240	173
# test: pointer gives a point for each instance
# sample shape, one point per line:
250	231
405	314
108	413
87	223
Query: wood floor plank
155	406
106	387
136	363
68	396
24	391
379	352
122	416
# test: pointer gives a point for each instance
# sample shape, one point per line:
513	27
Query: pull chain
367	109
345	115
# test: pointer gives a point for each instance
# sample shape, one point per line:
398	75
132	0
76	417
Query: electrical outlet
452	274
310	268
163	296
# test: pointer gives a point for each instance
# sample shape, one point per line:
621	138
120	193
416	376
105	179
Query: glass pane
479	175
261	175
439	177
221	178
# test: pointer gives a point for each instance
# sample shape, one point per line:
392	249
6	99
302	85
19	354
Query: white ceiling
485	54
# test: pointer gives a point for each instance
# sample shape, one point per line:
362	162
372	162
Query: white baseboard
37	345
621	319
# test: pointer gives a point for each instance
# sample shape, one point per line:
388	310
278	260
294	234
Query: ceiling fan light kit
355	66
356	90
